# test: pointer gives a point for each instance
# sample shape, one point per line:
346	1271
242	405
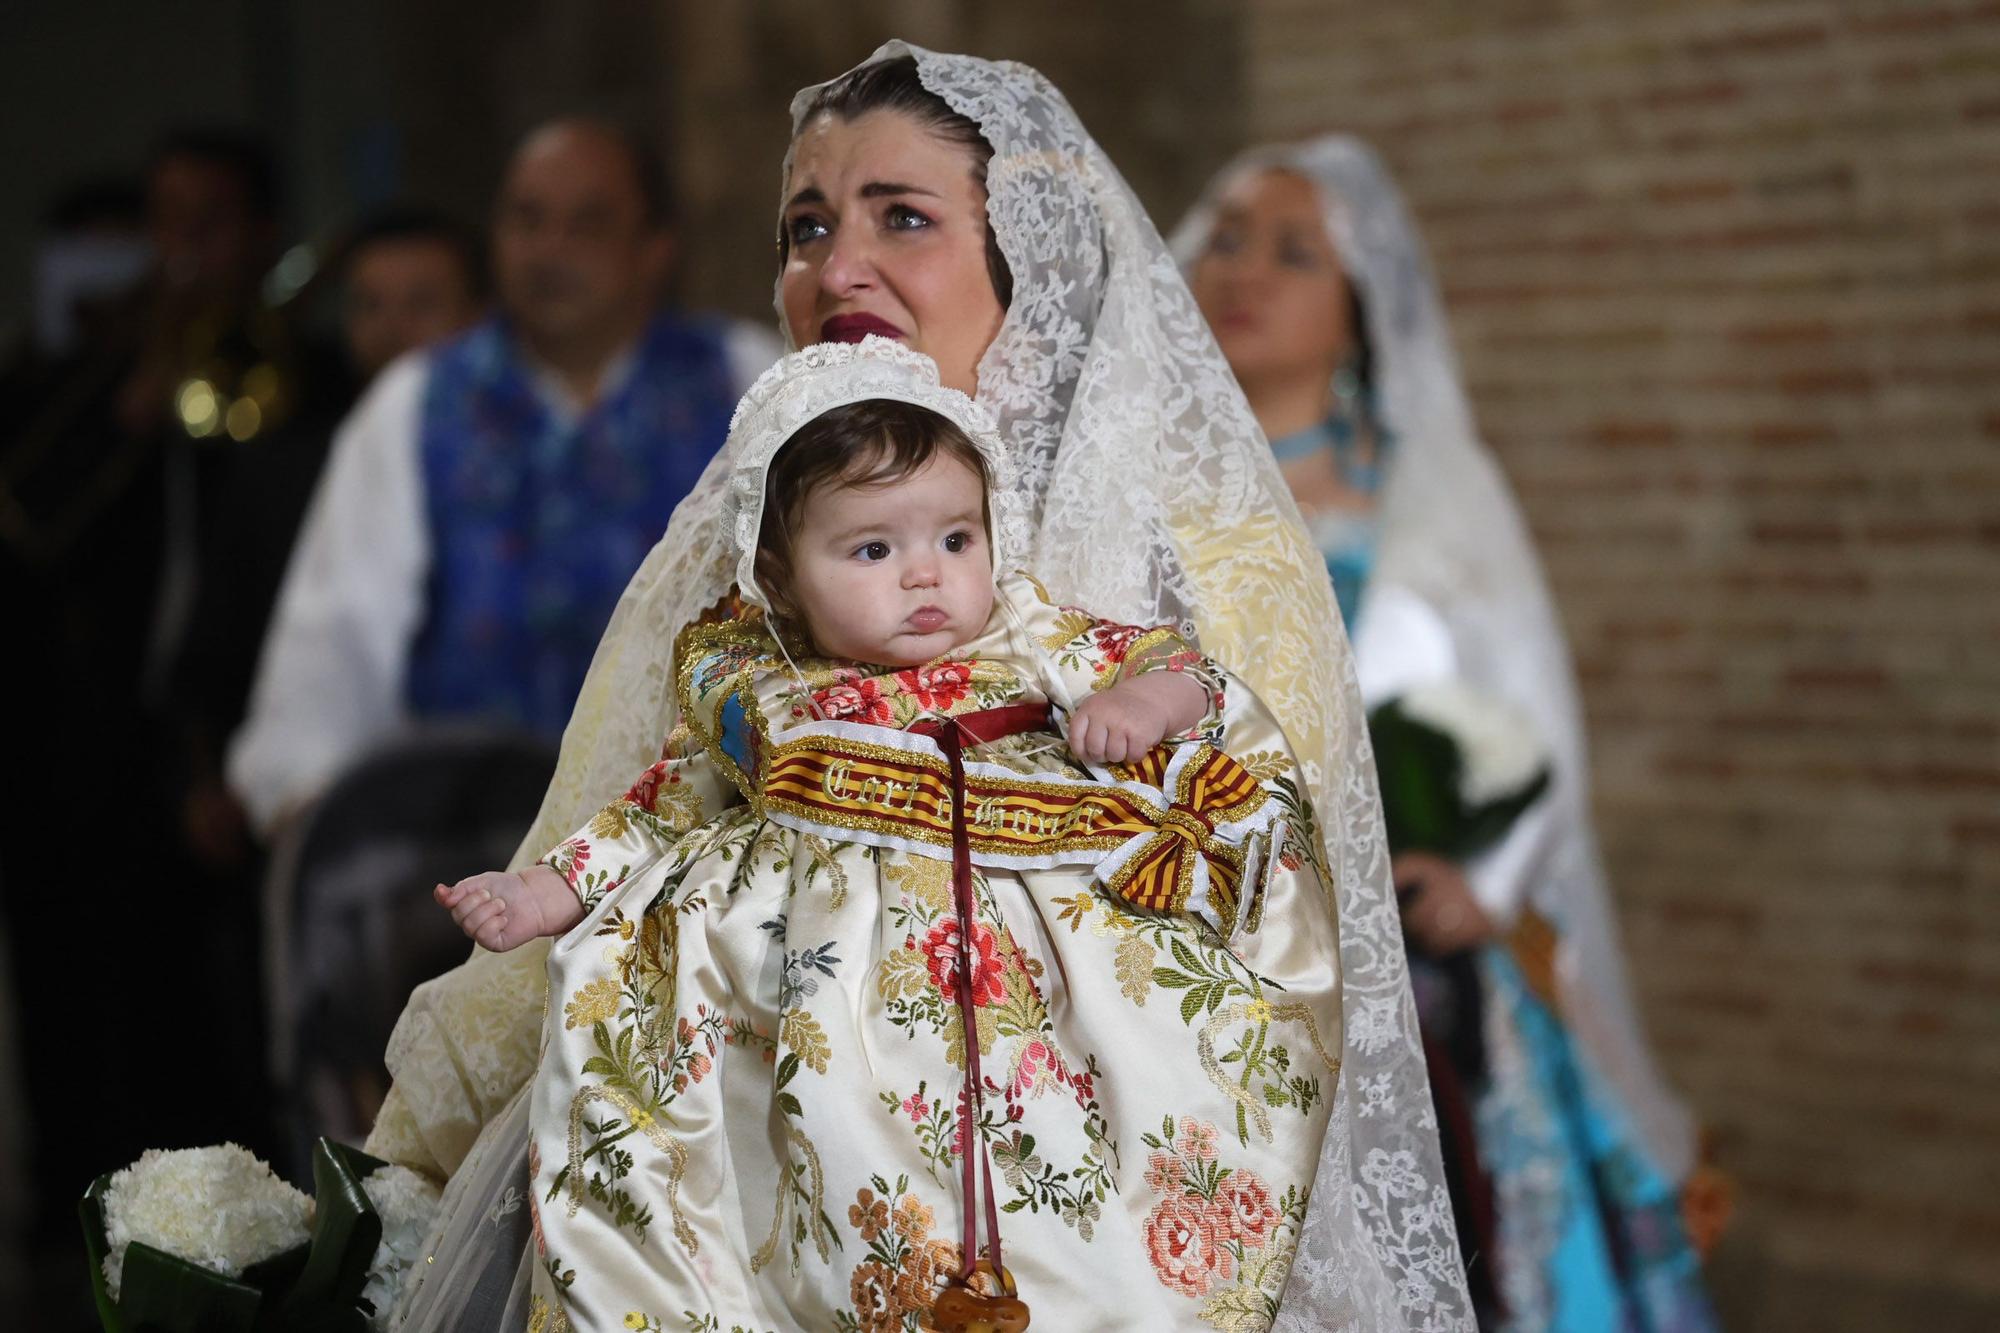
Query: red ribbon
951	735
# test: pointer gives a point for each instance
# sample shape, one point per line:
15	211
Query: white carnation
221	1208
407	1204
1499	749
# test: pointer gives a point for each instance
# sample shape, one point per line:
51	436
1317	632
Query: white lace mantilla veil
1452	533
1152	496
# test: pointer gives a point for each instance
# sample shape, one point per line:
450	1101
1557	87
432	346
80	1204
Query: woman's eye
1224	241
803	228
1296	256
958	542
901	217
872	551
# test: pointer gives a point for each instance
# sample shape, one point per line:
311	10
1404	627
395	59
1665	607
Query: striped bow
1199	856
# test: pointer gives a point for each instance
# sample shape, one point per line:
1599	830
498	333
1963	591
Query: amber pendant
960	1309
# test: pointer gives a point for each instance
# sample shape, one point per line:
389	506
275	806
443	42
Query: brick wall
1726	282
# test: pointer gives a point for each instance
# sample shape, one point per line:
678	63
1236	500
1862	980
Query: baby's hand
502	910
1118	725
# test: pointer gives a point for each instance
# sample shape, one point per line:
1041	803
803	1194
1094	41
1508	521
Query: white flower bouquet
210	1239
1456	769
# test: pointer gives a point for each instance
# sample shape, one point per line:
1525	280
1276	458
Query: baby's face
898	573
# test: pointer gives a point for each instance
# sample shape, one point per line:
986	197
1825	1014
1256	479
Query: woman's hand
1118	725
1439	911
502	910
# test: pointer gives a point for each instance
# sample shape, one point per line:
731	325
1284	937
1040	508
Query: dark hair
870	443
242	155
391	225
657	203
1364	346
896	85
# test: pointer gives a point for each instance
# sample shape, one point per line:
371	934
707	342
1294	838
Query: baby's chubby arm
1119	724
504	909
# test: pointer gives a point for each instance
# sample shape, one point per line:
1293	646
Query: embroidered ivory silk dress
752	1107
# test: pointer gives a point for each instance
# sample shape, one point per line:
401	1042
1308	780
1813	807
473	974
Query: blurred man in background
487	501
406	278
409	278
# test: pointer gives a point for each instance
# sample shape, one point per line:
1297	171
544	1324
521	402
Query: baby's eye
804	228
873	551
958	542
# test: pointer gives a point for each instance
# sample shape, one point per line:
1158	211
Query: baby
944	902
874	550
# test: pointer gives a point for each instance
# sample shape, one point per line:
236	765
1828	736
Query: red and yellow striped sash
1168	838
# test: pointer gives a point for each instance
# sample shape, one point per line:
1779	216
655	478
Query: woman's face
885	229
1271	284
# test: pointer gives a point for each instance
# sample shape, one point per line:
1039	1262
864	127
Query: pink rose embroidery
859	700
938	685
1244	1210
1114	640
942	952
1038	1070
1181	1246
647	789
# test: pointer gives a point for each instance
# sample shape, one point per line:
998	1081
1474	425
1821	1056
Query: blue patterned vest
537	521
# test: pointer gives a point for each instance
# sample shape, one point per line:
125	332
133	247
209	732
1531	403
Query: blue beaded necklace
1346	540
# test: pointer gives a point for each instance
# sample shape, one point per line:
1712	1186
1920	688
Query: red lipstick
853	328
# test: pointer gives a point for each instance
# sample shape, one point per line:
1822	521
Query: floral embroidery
857	698
1217	1232
918	984
868	1214
945	955
726	661
938	685
597	1002
1219	998
892	1288
644	1031
569	859
844	692
1181	1243
1112	640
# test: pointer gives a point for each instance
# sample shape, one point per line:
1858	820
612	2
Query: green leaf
788	1068
164	1292
346	1231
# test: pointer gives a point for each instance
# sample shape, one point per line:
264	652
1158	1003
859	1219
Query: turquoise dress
1588	1236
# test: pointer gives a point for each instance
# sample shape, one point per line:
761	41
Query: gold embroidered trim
649	1125
816	1201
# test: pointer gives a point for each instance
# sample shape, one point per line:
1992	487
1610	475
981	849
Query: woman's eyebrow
880	189
812	194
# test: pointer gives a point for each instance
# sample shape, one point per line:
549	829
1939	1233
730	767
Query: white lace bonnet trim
806	385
